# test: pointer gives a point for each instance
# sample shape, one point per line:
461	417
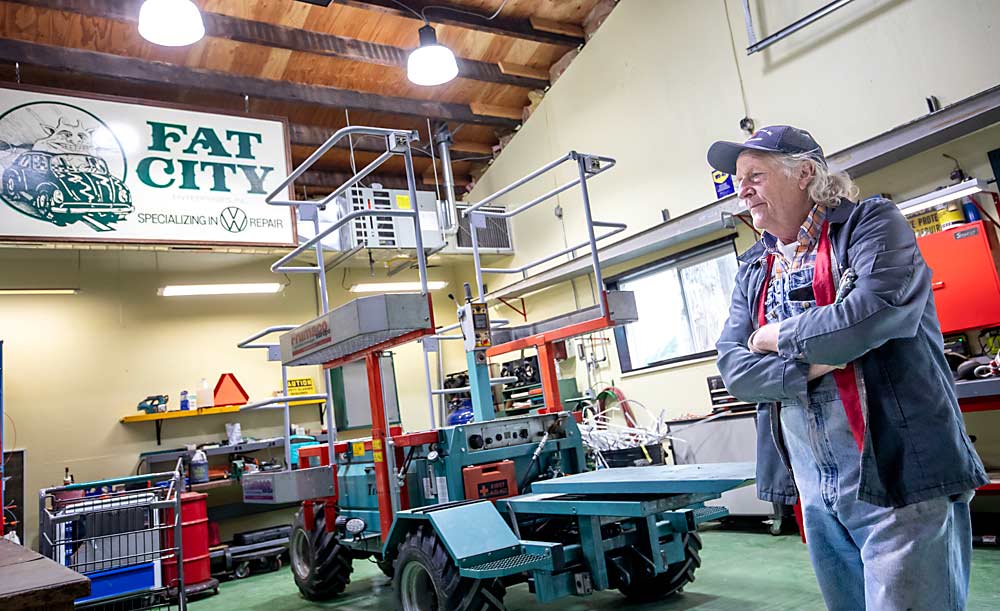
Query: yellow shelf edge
201	411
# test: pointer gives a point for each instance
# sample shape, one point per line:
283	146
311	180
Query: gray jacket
915	445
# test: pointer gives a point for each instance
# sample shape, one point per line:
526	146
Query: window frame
671	261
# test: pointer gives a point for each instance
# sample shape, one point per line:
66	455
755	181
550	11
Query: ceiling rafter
329	180
147	72
502	26
307	41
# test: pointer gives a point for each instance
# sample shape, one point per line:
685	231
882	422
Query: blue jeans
865	556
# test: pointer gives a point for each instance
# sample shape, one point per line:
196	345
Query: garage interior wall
656	101
75	364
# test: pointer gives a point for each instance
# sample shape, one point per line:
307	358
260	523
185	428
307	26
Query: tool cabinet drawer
965	283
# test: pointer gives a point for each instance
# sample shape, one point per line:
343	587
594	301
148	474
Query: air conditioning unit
378	232
495	238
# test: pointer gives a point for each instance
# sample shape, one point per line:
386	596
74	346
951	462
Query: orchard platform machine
455	515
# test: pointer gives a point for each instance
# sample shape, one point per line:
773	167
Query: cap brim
722	155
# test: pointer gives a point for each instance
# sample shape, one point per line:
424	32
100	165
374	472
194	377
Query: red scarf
825	291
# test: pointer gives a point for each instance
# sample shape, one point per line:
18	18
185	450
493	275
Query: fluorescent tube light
39	291
181	290
396	287
941	196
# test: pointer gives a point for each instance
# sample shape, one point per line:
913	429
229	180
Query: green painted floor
740	571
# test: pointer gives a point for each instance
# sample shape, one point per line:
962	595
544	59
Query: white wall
660	81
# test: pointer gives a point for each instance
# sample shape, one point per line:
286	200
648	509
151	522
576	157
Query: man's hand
765	339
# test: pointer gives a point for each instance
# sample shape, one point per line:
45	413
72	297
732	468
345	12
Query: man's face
778	203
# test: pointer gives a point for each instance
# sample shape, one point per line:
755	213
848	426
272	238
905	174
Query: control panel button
475	442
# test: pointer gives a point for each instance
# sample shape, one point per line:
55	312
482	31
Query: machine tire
673	580
320	564
431	581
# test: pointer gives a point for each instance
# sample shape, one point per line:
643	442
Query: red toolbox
964	261
491	481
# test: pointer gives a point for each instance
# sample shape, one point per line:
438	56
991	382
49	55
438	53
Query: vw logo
234	219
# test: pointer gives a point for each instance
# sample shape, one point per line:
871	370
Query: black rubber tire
673	580
325	568
446	590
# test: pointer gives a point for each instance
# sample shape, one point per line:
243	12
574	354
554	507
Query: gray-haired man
832	331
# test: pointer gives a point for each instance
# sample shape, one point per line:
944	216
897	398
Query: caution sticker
379	457
403	202
376	444
358	449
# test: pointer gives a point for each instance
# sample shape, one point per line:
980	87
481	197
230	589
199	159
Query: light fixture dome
171	23
431	63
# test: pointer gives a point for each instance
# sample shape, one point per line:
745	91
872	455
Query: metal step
708	514
621	305
520	563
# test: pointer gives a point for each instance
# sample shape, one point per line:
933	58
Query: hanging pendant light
171	23
431	63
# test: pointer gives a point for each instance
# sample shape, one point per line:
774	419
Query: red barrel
194	535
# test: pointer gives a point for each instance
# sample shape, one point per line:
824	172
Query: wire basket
121	538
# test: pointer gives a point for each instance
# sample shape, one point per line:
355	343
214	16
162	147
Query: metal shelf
250	446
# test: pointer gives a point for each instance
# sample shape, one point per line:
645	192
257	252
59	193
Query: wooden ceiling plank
150	72
501	26
294	39
313	136
331	180
493	110
478	148
556	27
522	70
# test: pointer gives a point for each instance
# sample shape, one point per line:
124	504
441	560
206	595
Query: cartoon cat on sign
67	137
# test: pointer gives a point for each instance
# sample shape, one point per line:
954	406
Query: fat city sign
101	169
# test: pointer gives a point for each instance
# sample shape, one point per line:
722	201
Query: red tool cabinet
964	261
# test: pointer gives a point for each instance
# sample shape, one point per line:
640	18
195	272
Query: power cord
422	14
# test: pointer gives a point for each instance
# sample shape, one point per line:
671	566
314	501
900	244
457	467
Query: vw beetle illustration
62	187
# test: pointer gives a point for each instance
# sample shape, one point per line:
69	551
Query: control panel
512	431
475	321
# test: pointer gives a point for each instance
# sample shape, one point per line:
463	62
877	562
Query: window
682	304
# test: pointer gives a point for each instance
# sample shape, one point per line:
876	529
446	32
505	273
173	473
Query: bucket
634	457
951	216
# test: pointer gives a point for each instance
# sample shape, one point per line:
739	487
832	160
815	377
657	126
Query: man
832	332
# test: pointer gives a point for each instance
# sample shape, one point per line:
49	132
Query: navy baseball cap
772	139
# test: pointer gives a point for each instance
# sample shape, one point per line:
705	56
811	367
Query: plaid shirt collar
809	234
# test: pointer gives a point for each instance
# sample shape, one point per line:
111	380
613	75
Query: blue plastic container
120	581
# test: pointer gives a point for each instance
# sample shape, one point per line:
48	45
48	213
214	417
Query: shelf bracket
523	311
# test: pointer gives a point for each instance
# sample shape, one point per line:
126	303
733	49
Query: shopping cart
122	538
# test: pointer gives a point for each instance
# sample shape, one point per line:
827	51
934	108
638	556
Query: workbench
976	397
30	581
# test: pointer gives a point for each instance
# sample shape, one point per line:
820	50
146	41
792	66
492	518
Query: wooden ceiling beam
310	135
293	39
483	109
502	26
556	27
147	72
325	179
